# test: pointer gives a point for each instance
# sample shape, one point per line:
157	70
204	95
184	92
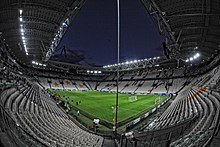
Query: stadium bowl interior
168	100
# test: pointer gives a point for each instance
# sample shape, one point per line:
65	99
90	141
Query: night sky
94	32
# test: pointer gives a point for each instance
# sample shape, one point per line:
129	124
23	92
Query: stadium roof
189	26
33	29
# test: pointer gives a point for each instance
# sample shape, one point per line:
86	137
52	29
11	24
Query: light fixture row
197	55
131	62
95	71
22	31
39	64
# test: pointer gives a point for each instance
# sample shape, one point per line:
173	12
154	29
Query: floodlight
191	58
22	34
33	62
20	11
131	61
99	72
20	19
22	30
187	60
127	62
23	37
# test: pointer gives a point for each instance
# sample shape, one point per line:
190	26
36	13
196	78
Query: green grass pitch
100	104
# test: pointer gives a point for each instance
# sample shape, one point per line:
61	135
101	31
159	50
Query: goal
132	98
157	100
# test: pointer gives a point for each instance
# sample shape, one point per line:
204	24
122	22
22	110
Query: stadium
52	96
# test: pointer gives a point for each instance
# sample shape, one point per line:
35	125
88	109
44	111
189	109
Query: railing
158	138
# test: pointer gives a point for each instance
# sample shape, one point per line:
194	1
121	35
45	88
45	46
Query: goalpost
157	100
132	98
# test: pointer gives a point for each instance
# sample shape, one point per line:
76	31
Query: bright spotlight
187	60
191	58
20	19
20	11
127	62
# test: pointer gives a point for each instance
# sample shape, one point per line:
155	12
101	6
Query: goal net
132	98
157	100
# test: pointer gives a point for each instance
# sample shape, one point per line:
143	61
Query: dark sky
94	32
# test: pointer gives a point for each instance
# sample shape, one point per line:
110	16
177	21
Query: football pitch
101	104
